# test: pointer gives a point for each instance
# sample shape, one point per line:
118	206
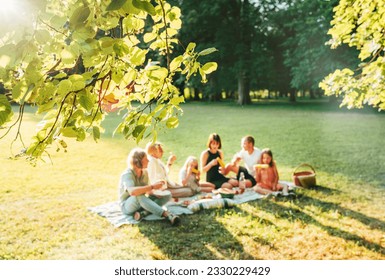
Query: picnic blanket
112	212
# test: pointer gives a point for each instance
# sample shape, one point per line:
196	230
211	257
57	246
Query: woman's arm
135	191
128	184
140	190
221	154
206	166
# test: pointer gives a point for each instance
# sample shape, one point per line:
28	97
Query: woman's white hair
135	157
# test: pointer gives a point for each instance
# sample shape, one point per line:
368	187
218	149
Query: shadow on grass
198	237
262	222
373	223
325	190
201	236
294	214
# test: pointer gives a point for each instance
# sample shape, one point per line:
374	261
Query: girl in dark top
210	162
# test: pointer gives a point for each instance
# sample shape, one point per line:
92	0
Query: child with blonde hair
189	176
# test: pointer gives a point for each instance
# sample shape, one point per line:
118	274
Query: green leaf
42	36
144	6
129	8
18	90
175	63
81	134
64	87
46	106
115	5
77	81
68	57
138	56
36	148
79	16
209	67
158	74
69	132
60	76
172	122
96	132
176	24
138	130
207	51
148	37
84	34
28	93
7	54
176	100
58	21
190	47
121	49
6	112
203	75
86	101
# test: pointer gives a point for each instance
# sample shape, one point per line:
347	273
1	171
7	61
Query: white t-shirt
157	171
250	159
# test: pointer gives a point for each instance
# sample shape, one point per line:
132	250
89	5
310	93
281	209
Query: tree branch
165	25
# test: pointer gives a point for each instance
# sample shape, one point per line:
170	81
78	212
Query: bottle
242	181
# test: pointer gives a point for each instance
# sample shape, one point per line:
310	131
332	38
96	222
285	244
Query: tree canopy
78	60
360	24
274	45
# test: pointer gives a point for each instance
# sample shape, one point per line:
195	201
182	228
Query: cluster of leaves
359	24
81	59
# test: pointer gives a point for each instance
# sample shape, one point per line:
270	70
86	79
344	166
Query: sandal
139	215
174	220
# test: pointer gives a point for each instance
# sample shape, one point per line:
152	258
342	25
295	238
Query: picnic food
194	170
220	161
161	192
261	166
226	193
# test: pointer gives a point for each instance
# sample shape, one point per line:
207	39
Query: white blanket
112	212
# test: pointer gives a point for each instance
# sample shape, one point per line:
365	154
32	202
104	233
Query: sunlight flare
8	7
16	15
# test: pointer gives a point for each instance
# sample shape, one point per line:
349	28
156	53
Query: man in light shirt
250	156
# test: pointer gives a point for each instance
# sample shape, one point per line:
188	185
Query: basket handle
302	165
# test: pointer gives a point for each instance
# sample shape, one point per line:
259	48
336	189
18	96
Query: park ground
44	208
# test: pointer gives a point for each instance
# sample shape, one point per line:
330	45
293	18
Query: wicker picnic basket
305	178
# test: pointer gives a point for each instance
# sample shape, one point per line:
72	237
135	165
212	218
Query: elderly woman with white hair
137	196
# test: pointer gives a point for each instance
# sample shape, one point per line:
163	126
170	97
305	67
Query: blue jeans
150	203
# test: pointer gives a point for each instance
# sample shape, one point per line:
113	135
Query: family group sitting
145	187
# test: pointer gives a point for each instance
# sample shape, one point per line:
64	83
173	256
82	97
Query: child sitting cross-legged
267	175
189	176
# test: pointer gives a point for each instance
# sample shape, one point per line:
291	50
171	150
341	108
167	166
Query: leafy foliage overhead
78	60
359	24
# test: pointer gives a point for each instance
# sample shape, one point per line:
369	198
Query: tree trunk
196	94
312	94
243	90
246	29
292	97
230	94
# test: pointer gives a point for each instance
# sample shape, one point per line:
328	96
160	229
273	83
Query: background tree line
273	45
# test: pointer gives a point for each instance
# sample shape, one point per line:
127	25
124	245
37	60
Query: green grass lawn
44	208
